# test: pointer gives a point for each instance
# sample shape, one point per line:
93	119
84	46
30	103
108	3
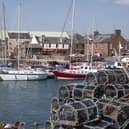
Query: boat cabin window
93	67
85	67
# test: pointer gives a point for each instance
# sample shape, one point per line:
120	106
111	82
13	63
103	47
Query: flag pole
119	48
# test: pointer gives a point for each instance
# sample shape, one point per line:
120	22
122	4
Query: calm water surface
28	101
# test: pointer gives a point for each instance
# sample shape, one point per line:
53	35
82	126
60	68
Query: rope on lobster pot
111	127
125	125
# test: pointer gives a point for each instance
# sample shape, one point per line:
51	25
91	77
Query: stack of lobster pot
100	124
111	76
121	76
77	113
116	90
115	110
65	92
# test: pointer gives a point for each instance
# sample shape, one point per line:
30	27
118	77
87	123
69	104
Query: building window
76	45
110	46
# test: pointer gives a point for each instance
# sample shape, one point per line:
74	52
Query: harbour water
27	101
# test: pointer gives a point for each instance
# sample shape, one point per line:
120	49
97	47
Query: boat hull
66	75
20	77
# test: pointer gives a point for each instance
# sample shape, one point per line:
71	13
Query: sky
51	15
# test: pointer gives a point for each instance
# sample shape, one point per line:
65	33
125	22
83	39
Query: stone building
107	44
37	43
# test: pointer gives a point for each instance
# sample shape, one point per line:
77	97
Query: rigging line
2	37
67	16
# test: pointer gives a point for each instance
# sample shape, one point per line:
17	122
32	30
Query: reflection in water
27	101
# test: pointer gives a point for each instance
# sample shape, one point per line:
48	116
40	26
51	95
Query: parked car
125	59
98	58
113	64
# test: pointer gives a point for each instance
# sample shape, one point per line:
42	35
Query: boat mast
4	33
92	47
19	28
72	32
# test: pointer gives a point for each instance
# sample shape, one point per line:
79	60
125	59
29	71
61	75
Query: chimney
118	32
96	33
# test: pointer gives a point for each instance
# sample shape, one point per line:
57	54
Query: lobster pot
91	77
55	104
54	116
54	108
58	127
78	92
47	125
88	92
125	125
123	116
98	92
117	90
120	75
65	92
111	127
102	124
124	99
77	113
91	108
102	77
111	76
117	111
126	87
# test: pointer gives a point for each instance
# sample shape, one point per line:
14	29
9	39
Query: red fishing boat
79	72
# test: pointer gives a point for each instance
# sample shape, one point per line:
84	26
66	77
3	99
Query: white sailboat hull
15	75
20	77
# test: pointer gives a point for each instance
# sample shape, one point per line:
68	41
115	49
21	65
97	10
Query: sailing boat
21	74
80	71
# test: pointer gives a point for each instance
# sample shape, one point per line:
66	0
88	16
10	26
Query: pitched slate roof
56	40
102	38
14	35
